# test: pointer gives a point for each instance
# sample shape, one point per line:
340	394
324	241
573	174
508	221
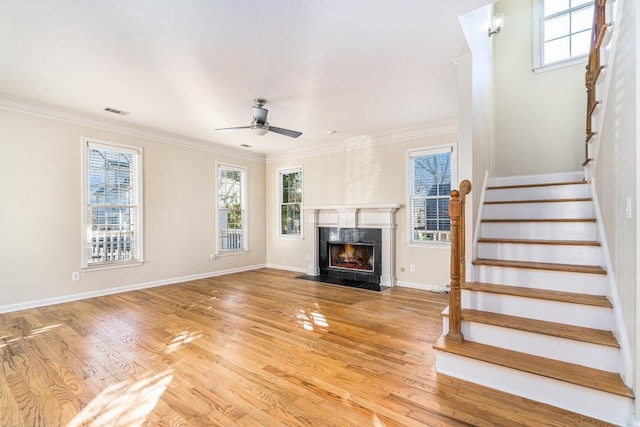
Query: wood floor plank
252	348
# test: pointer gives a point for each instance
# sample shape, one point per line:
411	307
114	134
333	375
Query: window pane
556	50
580	43
290	202
430	188
112	214
582	19
431	175
418	219
290	215
555	6
230	209
556	27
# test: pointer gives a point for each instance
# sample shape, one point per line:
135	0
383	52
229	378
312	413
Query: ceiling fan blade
260	115
286	132
237	127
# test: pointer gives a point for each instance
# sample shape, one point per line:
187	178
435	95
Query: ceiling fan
260	126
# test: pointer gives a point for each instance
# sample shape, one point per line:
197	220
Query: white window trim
245	205
84	184
538	66
281	172
413	152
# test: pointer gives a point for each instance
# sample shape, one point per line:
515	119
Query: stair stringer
618	326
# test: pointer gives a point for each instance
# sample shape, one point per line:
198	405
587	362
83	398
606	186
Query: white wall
360	173
40	220
476	113
617	174
540	118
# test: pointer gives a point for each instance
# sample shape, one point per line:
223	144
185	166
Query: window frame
86	144
281	172
538	40
416	152
219	252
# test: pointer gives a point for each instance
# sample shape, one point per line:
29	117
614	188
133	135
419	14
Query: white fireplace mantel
380	216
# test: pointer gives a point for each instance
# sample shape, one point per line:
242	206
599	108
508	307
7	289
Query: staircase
536	321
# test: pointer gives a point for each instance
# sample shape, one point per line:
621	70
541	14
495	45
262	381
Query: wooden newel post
456	214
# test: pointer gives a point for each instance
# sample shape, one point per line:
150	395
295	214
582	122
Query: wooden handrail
598	29
458	269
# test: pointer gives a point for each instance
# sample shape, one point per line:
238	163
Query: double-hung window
430	177
232	215
112	200
563	30
290	192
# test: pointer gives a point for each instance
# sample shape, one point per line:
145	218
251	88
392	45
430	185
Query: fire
348	254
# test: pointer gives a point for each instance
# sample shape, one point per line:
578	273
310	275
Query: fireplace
369	231
350	253
351	256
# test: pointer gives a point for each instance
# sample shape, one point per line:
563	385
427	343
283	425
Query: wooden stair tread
540	242
505	202
572	268
545	184
540	220
560	330
568	372
544	294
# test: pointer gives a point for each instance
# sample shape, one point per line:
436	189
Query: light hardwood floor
260	348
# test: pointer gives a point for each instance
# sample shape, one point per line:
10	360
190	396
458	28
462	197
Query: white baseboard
287	268
119	289
421	286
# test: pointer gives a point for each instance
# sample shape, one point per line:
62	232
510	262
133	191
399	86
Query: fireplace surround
365	225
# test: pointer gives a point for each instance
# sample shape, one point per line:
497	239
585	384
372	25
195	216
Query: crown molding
22	105
441	127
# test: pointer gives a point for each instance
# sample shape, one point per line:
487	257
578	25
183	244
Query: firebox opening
351	256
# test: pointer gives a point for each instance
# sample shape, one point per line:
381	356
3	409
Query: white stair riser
538	193
597	404
585	231
558	254
531	308
581	353
594	284
535	179
538	210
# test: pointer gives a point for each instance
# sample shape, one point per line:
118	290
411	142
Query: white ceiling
359	67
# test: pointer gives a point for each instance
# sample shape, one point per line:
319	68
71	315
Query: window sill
111	266
430	245
560	64
290	237
231	253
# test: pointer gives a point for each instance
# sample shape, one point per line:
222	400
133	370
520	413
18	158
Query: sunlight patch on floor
125	403
308	318
181	339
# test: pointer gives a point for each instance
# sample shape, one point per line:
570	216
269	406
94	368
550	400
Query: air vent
246	145
116	111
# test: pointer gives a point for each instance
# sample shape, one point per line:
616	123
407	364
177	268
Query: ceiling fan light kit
259	124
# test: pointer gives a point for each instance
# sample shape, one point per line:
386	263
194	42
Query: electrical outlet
306	257
75	276
212	257
412	268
